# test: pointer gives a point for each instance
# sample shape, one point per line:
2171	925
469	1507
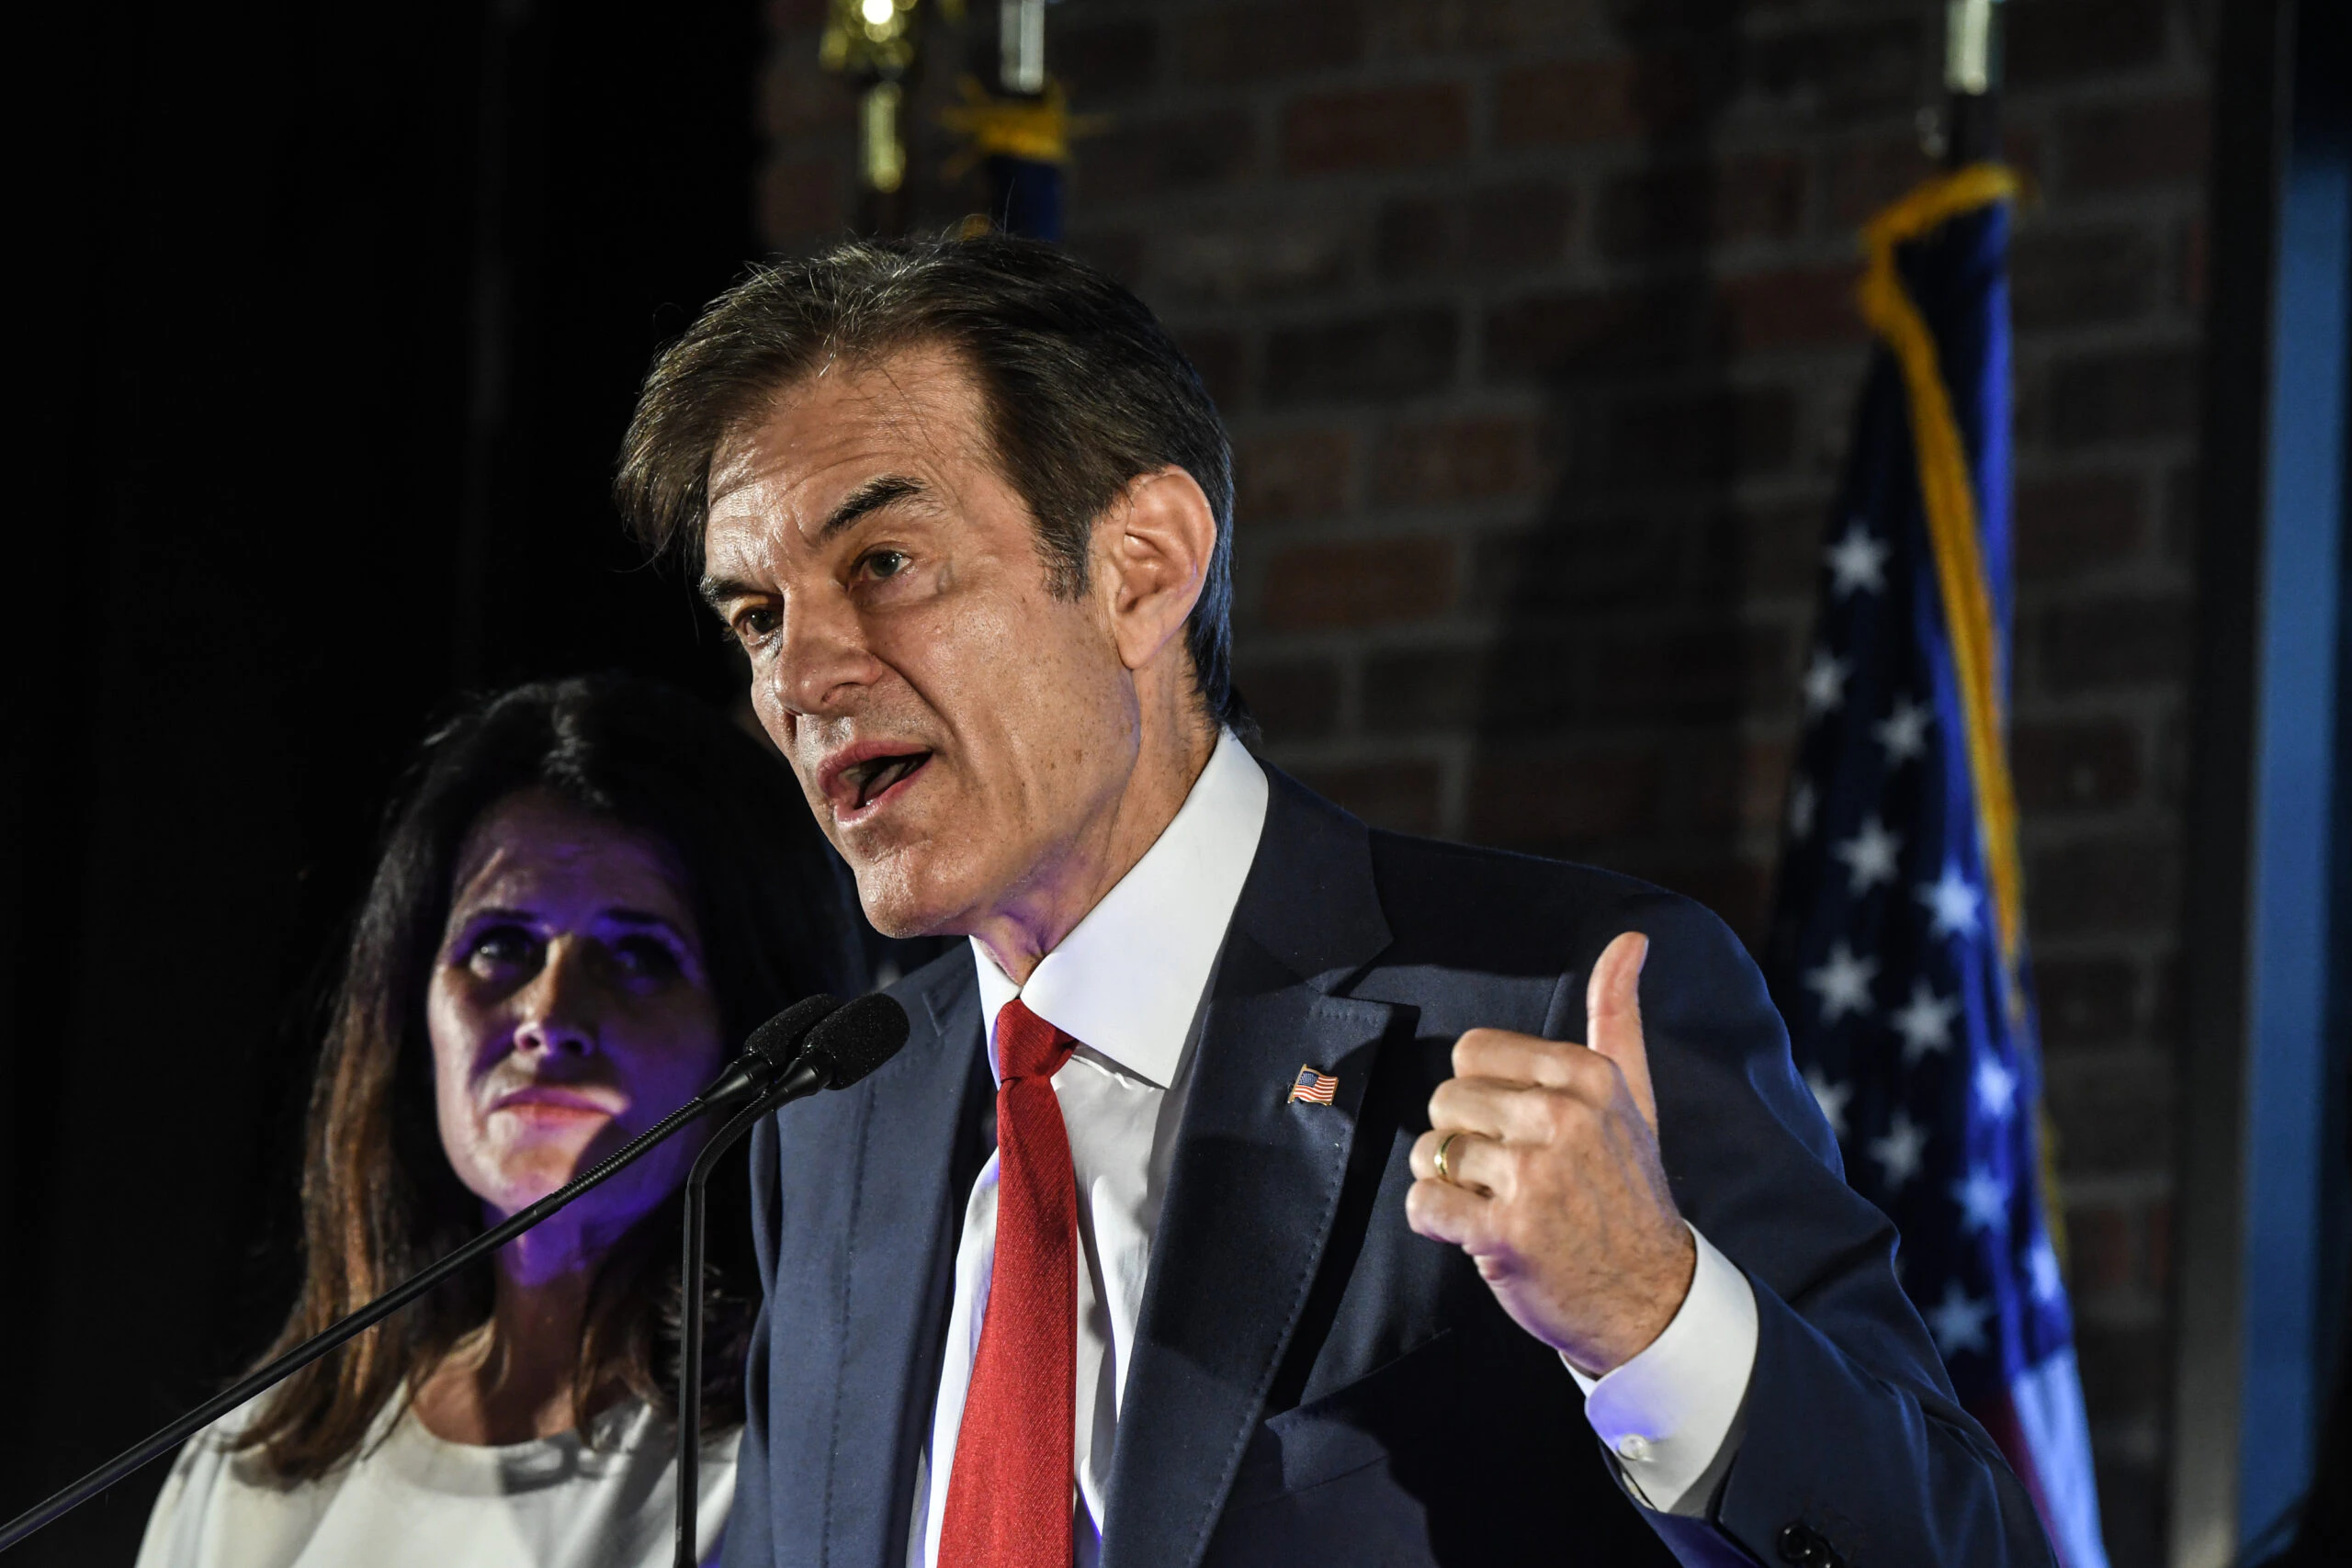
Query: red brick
2102	644
1120	251
2077	523
1376	128
1567	798
2184	504
1247	259
1104	62
2113	1112
2051	41
1417	29
1253	43
2135	143
1609	100
1143	158
1801	308
1455	460
1841	72
1499	229
2064	279
1310	587
1222	359
2194	264
2086	1002
2075	766
1723	784
1592	332
1737	887
803	200
2109	887
1710	672
2130	395
1423	689
2102	1249
1285	475
1292	699
1389	355
1861	177
1575	565
798	97
1687	438
1401	797
1689	204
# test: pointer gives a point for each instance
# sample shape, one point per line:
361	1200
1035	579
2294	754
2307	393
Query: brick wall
1532	322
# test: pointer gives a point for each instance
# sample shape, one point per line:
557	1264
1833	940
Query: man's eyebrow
719	591
883	489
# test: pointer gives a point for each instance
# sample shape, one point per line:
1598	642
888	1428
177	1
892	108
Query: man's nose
557	1012
822	662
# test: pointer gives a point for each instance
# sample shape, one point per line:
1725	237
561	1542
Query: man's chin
900	901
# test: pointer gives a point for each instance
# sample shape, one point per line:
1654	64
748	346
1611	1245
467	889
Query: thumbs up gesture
1551	1179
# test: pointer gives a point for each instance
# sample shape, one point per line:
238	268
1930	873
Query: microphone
767	1053
759	1072
848	1044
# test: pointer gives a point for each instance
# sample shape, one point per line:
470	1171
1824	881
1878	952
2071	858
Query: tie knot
1027	1046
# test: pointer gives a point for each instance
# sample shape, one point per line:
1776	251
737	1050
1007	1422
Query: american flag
1317	1088
1897	948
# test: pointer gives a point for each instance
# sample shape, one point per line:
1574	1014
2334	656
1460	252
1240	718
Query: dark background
346	311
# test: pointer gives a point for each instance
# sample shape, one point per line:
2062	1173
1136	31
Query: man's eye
756	626
884	563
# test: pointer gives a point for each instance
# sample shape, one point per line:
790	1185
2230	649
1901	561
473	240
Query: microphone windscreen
862	1036
779	1041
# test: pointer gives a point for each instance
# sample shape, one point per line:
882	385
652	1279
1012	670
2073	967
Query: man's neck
1061	892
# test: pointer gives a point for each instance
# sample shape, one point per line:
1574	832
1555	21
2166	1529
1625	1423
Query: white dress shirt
1131	983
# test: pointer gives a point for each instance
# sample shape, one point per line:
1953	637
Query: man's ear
1152	551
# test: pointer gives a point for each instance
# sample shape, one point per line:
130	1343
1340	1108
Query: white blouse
418	1501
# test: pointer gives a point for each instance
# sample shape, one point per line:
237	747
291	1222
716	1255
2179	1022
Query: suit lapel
1256	1179
869	1217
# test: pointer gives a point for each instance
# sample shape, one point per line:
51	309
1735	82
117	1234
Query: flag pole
1972	131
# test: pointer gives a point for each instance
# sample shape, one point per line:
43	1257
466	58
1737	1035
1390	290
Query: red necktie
1008	1498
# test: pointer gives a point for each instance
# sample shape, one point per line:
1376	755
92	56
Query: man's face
960	730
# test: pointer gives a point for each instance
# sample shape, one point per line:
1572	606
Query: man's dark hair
1081	390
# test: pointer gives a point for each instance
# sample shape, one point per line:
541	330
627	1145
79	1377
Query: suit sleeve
748	1541
1851	1429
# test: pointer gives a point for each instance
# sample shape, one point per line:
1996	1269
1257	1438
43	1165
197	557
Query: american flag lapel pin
1315	1088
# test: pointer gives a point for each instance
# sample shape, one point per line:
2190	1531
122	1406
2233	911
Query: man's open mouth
870	780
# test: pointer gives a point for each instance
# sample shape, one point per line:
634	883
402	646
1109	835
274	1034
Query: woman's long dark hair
380	1199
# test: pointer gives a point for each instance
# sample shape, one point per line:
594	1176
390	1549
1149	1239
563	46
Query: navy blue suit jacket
1312	1383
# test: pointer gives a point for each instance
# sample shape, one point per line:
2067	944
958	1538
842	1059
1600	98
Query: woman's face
569	1007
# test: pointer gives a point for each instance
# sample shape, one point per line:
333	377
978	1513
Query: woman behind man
593	890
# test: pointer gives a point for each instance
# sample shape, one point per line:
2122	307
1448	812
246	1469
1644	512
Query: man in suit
1255	1188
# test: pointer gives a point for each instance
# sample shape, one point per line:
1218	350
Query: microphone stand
792	1023
690	1324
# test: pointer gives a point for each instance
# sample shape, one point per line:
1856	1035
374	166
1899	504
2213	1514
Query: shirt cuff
1672	1417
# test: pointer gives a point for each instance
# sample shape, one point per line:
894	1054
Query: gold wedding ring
1442	1173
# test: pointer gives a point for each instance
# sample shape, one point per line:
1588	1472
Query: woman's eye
645	958
502	947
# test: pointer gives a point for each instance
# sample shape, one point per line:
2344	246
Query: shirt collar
1127	980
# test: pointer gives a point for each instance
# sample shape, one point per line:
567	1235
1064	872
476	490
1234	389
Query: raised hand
1551	1181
